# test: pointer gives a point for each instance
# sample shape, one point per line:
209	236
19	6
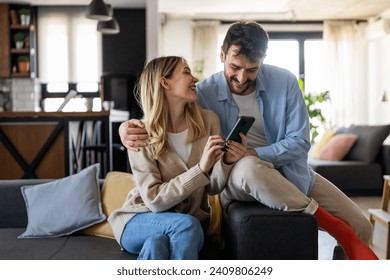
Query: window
284	53
316	66
304	54
300	49
69	57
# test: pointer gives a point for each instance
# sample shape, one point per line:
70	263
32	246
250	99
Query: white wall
176	39
378	73
153	29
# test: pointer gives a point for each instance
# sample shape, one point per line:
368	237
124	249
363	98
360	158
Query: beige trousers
254	179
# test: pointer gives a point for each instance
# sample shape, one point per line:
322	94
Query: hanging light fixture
109	27
384	97
98	10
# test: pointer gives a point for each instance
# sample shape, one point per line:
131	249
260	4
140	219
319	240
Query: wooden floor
326	243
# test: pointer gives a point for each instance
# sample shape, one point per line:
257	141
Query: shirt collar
260	82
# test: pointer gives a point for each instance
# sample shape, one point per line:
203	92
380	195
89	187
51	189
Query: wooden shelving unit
11	23
5	68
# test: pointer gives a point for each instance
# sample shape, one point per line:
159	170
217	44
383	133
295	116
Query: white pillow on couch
63	206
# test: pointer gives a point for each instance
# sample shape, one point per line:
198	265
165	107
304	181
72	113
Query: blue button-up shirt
284	115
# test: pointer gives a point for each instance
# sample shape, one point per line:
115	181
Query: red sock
355	248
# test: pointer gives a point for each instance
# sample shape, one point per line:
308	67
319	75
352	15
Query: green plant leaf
316	117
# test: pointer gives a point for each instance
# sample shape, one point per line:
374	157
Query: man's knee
365	232
251	164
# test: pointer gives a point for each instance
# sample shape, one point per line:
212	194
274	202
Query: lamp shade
108	27
98	10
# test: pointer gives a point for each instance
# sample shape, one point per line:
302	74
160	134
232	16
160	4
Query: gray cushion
63	206
370	140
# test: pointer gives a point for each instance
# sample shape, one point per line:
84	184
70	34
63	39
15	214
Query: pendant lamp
98	10
108	27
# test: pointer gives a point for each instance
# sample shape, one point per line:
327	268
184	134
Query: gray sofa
356	178
251	230
361	170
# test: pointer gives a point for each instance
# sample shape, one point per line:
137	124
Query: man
275	170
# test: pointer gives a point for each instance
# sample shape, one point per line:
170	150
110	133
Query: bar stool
382	215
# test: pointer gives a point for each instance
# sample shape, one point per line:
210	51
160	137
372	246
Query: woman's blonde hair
150	94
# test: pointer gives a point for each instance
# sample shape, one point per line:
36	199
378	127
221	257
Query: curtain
205	48
347	51
69	45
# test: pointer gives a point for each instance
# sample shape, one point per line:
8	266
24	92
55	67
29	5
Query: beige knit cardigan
169	184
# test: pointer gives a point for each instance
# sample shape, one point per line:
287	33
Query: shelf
20	75
20	27
10	25
20	51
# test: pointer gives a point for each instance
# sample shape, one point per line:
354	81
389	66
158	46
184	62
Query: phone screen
243	125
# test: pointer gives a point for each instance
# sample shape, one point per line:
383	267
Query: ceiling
278	10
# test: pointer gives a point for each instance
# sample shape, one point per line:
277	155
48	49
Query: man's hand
133	134
251	152
235	151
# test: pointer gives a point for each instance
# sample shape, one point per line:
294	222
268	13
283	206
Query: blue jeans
163	236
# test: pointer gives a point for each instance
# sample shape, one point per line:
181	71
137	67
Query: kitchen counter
55	144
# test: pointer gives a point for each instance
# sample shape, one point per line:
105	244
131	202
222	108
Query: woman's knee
156	247
159	243
190	222
158	240
191	228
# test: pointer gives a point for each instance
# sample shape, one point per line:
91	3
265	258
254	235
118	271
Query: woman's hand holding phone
242	125
235	150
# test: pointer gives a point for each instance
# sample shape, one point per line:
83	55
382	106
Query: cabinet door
5	67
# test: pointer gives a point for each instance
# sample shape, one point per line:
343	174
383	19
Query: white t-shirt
178	142
247	106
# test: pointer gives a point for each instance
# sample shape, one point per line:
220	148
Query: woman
165	216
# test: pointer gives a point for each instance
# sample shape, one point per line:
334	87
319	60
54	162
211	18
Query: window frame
300	37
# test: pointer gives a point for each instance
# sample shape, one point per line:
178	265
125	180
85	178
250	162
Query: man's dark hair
249	36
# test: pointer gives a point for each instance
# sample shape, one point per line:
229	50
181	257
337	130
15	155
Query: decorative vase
24	19
23	66
19	44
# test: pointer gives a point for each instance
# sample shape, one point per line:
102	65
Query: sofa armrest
254	231
385	159
13	212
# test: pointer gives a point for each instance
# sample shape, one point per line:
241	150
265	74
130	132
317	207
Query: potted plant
23	64
25	15
19	39
313	103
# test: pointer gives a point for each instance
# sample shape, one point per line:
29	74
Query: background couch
355	166
251	230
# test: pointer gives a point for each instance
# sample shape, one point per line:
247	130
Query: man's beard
242	87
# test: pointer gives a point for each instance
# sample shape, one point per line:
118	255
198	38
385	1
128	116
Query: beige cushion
337	147
317	147
115	188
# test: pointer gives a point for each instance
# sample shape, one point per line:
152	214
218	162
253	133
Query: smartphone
243	125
